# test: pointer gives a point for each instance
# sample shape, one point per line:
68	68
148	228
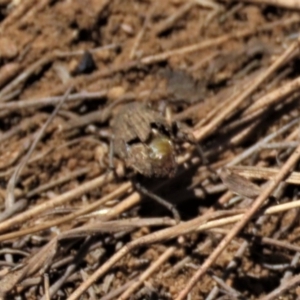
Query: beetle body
142	139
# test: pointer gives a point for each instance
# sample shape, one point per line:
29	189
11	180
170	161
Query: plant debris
76	76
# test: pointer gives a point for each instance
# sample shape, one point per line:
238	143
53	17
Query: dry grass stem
25	75
292	4
213	43
46	287
147	273
12	210
19	11
275	95
141	33
264	173
21	104
165	234
239	158
232	293
171	20
10	198
59	200
81	52
289	284
63	179
238	227
201	134
152	81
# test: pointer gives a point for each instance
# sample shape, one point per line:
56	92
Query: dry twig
10	198
239	226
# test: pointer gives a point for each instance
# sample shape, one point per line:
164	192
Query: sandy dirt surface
220	74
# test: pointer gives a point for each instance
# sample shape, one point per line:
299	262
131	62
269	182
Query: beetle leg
159	200
185	134
191	139
118	172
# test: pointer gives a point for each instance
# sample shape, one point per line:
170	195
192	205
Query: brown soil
185	60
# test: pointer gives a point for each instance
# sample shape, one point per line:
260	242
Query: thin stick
28	103
117	291
38	7
237	257
17	13
205	131
234	294
59	200
141	33
292	4
67	196
229	220
8	71
212	42
164	234
25	74
274	96
10	197
281	244
71	268
91	290
282	207
289	273
171	20
280	145
264	173
17	206
152	59
46	287
124	205
265	140
81	52
239	226
286	285
60	180
147	273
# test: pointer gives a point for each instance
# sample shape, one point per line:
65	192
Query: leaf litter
227	72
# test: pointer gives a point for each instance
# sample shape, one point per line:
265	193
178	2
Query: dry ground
228	71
